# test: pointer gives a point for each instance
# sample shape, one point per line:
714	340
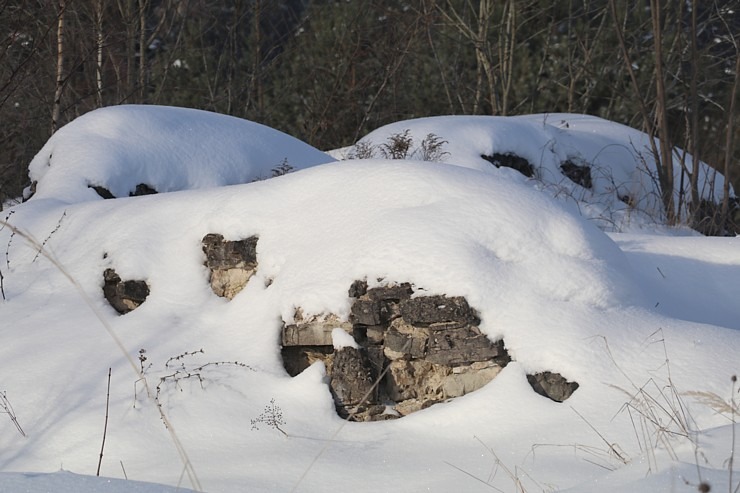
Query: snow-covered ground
648	324
605	169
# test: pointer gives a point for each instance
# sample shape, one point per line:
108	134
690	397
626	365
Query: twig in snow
105	427
7	408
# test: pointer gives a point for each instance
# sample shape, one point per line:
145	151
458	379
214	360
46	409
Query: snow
341	339
620	159
165	148
646	323
67	482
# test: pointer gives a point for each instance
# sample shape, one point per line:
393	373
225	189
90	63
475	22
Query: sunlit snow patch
605	168
136	149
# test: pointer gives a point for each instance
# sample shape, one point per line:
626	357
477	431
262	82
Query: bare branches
105	426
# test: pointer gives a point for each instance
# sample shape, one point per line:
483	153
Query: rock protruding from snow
552	385
312	331
413	352
510	160
231	263
353	379
124	296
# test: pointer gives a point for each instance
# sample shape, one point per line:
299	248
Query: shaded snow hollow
609	312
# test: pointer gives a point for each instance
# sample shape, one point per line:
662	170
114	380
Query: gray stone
357	289
142	189
431	347
395	293
366	312
232	263
352	379
552	385
379	305
312	331
102	191
403	341
124	296
459	346
426	310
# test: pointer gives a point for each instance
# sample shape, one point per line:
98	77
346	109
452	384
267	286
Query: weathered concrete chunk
312	331
124	296
366	312
469	378
395	293
426	310
378	305
459	346
232	263
403	341
413	379
552	385
352	379
424	350
224	254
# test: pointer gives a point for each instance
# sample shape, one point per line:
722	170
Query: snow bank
166	148
621	191
561	294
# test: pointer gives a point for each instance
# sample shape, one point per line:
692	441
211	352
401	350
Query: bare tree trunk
694	122
57	105
665	165
99	46
653	126
257	61
506	57
142	50
729	141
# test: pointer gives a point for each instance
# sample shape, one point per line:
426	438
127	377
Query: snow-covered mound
560	293
606	168
165	148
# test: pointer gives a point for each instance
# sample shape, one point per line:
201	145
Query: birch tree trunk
57	105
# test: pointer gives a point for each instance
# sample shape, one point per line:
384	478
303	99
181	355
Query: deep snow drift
169	149
645	324
606	169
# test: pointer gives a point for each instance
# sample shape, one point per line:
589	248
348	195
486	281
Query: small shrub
401	146
272	416
398	146
431	148
362	150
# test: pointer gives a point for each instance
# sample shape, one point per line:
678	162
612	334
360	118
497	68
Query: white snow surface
646	324
620	159
166	148
341	339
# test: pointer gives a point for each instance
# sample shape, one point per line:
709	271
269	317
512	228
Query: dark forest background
328	72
